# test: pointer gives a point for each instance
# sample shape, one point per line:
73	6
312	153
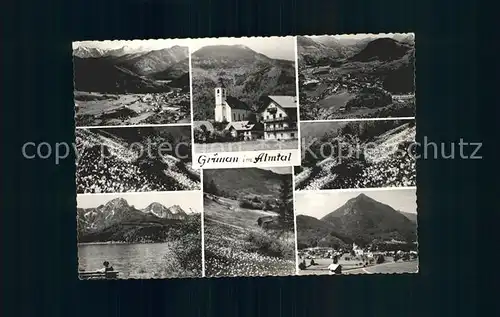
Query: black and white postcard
356	76
357	231
135	159
139	235
249	222
245	106
259	156
357	154
140	82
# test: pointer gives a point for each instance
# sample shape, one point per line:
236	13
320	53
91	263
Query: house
321	70
335	269
357	250
228	108
245	129
147	98
279	116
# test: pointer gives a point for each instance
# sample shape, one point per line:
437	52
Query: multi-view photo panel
260	156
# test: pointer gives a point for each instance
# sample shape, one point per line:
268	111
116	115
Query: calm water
131	260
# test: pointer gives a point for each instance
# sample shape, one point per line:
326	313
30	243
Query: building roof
240	125
235	103
334	267
286	102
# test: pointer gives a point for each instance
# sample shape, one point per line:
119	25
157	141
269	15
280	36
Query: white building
245	130
357	250
280	118
227	108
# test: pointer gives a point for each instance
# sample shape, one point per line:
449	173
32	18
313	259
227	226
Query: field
254	145
388	163
236	246
126	169
355	267
96	109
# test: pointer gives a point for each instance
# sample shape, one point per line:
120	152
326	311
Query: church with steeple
227	108
276	119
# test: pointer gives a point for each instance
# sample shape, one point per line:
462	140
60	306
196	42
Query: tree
211	188
252	117
286	203
199	135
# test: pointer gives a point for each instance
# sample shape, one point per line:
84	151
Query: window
267	117
234	116
292	135
218	90
281	134
280	115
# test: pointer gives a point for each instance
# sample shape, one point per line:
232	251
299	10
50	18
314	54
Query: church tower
221	110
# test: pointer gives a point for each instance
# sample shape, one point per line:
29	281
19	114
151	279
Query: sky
279	170
362	35
134	44
320	203
185	199
273	47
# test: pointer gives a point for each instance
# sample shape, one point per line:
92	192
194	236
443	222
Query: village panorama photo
244	94
357	231
356	76
139	82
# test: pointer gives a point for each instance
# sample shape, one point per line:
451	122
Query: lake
130	260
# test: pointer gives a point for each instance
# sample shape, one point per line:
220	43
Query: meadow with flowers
359	154
235	244
111	160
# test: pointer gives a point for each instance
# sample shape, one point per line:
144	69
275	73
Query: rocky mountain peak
117	203
176	209
157	209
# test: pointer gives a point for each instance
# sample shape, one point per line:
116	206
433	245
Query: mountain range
390	59
125	70
247	75
245	182
118	221
361	220
328	50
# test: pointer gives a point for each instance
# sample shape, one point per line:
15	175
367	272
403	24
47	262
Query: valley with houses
131	85
233	86
365	235
344	77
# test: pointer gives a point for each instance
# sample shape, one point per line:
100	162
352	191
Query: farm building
245	129
321	70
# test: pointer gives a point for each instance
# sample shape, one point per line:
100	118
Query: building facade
279	116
